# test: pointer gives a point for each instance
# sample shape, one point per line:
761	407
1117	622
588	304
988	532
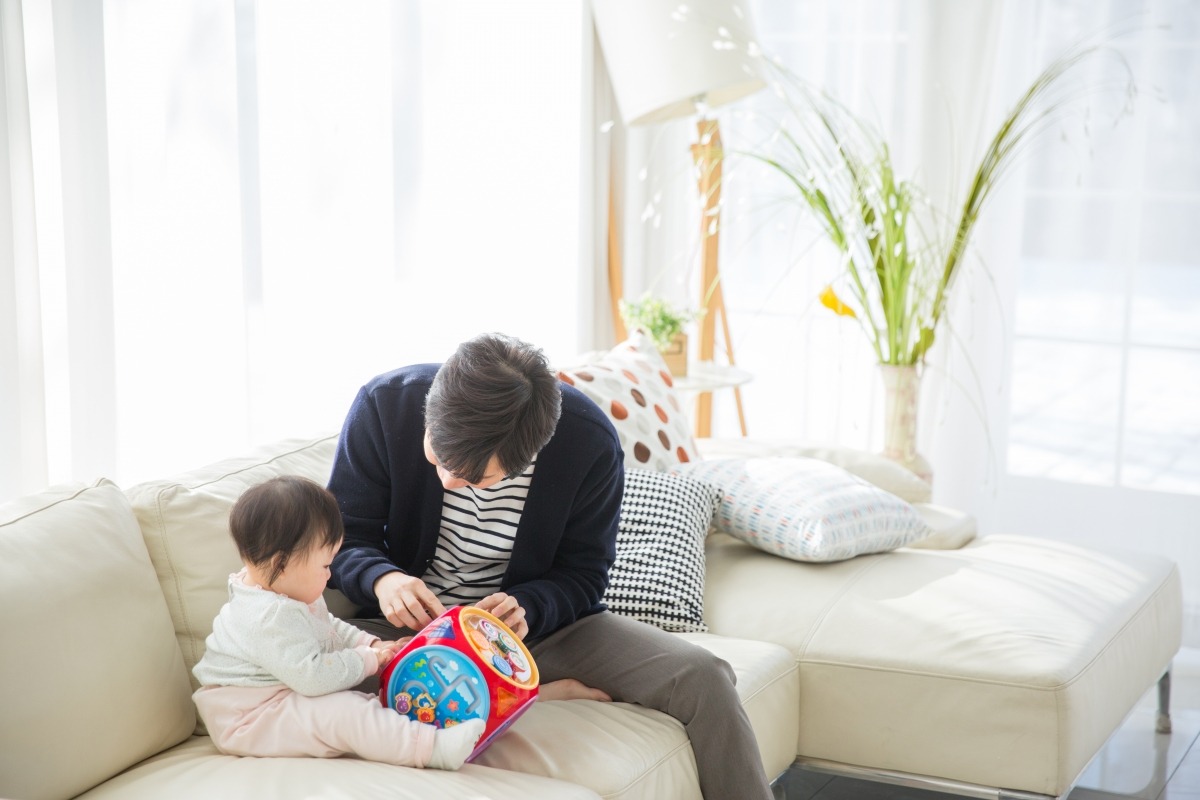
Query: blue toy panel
438	685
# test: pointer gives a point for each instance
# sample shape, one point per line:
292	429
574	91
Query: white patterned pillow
658	576
805	509
633	386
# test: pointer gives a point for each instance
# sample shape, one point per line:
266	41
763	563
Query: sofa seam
300	447
653	767
1172	573
160	520
795	668
99	482
833	601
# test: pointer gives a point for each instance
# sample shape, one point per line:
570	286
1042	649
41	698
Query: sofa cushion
633	386
658	576
627	752
806	509
903	654
196	771
185	522
95	681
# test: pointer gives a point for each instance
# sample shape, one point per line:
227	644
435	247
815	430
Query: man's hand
406	601
506	608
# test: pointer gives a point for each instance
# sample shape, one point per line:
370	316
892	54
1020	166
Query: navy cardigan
391	503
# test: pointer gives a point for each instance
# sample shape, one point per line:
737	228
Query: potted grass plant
900	258
666	325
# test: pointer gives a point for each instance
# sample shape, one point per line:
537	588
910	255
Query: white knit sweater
261	638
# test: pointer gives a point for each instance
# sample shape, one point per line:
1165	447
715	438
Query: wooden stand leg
707	153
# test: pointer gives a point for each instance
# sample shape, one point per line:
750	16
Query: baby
277	674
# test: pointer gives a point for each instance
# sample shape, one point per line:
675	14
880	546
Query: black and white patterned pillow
658	576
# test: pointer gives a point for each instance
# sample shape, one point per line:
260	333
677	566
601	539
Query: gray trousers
634	662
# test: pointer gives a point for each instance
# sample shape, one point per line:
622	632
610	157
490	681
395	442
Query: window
1106	372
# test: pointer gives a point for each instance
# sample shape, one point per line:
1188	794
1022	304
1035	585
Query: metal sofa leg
1163	723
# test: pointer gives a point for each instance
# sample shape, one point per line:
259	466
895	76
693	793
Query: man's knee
705	669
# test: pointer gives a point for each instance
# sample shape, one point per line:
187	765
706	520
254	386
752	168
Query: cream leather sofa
1005	663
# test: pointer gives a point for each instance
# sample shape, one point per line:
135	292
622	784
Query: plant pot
902	390
676	356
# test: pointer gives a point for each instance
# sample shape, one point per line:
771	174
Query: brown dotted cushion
634	387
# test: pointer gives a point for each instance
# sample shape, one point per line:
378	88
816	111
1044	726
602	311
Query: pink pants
276	721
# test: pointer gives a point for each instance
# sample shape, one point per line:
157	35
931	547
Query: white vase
902	391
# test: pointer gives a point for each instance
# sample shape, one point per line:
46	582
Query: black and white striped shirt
476	539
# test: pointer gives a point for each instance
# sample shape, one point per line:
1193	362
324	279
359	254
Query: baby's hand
385	654
396	645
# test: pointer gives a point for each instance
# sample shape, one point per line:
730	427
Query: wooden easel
707	154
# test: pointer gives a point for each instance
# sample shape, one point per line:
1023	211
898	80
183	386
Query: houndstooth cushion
658	576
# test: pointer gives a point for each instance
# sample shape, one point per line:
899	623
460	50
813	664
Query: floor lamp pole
616	275
708	153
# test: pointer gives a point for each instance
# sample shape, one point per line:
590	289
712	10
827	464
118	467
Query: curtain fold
59	354
22	399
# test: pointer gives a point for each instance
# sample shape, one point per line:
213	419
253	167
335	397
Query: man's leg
638	663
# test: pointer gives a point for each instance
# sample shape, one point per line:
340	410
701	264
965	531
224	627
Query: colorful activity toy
465	664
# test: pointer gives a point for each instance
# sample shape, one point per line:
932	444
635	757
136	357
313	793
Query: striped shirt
476	539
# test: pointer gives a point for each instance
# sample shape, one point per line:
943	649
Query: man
487	482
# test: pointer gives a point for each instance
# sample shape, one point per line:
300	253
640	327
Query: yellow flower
830	300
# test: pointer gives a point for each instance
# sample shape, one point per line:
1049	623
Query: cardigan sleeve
575	582
361	482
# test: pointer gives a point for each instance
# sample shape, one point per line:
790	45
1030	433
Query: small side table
705	376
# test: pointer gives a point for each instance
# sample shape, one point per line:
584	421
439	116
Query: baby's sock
452	745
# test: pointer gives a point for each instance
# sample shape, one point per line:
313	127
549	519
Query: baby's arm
286	647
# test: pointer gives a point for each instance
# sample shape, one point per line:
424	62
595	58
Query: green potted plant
900	257
665	323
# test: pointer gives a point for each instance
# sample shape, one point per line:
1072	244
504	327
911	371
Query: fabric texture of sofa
1005	662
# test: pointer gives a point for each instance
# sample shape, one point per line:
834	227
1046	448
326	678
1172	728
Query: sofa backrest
185	522
93	681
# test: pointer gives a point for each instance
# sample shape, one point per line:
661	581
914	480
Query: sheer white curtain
218	220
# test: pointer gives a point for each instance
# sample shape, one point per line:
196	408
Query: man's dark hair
496	396
274	520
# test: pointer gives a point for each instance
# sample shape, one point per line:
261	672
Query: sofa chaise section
1007	663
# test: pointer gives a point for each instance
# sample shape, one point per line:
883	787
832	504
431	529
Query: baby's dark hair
274	520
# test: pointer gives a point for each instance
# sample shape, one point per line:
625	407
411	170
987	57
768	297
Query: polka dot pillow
805	509
658	576
632	384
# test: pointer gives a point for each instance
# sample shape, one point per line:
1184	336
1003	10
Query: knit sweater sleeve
260	638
